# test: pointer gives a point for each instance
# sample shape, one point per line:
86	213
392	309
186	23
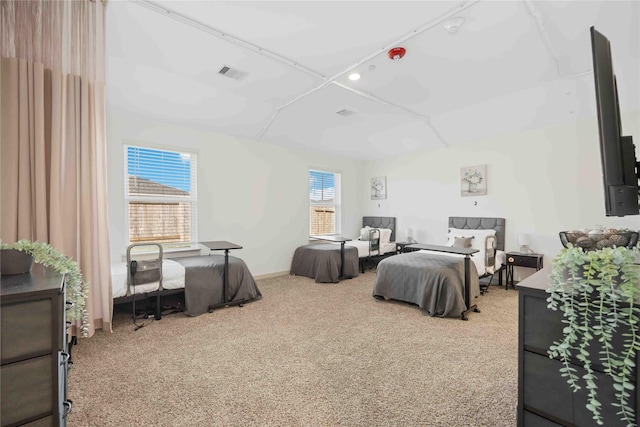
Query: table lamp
409	233
524	240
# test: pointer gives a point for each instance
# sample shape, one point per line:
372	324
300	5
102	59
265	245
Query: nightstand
401	247
517	259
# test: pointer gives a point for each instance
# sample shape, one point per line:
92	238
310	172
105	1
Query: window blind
161	195
324	211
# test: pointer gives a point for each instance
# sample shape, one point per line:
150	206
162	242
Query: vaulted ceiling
472	69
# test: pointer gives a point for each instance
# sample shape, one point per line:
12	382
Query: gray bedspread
434	282
203	282
322	262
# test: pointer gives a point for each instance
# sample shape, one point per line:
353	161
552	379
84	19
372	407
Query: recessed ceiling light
354	76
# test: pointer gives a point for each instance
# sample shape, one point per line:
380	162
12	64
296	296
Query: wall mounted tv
617	152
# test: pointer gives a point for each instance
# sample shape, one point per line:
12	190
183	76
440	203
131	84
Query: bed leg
158	315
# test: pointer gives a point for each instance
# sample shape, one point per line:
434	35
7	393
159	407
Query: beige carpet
307	354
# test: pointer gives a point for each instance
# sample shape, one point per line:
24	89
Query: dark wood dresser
544	397
34	353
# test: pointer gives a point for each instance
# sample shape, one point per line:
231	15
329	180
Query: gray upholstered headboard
381	222
476	223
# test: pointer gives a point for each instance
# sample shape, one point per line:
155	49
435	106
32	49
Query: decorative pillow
364	233
479	236
462	242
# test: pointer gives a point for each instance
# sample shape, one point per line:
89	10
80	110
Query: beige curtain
52	130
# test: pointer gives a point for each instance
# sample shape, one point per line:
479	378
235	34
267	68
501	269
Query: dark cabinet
33	349
544	397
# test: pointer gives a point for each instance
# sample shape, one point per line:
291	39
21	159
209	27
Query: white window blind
161	195
324	203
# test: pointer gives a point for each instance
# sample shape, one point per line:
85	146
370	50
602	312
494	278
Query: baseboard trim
271	275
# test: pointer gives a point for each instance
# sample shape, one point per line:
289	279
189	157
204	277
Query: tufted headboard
381	222
476	223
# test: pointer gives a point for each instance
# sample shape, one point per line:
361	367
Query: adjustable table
342	241
222	245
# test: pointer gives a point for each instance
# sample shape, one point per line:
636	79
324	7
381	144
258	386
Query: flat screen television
617	152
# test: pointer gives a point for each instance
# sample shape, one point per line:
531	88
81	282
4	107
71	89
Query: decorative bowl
591	240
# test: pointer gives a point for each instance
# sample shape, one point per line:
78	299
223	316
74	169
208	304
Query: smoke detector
453	25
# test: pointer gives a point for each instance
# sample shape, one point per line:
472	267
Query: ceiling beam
226	36
546	39
154	6
395	106
402	39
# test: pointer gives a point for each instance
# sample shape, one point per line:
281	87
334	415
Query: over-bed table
342	241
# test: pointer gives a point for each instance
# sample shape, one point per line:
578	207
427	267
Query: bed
199	277
443	284
376	240
323	262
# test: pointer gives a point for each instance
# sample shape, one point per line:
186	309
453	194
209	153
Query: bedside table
401	247
517	259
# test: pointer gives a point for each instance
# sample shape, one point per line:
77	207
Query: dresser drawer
542	326
27	329
533	420
27	388
541	375
523	261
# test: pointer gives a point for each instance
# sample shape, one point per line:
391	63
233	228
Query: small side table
518	259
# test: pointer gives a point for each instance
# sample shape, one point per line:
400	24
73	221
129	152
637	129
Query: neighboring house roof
138	185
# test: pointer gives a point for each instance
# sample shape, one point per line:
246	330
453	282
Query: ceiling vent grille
233	73
346	112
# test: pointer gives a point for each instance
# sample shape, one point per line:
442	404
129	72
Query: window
161	195
324	203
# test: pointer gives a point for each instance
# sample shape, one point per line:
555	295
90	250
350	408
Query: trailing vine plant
77	288
598	294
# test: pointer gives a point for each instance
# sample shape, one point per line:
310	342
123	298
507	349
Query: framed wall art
379	188
473	181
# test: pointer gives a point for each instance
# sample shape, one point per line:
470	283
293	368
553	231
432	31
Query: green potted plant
77	288
598	293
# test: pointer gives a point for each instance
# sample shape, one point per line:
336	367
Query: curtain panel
53	138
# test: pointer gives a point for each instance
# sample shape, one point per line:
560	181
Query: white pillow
364	233
385	235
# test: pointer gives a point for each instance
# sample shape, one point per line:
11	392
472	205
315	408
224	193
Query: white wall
249	193
542	182
255	194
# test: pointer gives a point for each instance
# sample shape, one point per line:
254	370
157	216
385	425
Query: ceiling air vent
346	112
232	73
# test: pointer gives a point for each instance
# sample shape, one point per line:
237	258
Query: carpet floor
306	354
